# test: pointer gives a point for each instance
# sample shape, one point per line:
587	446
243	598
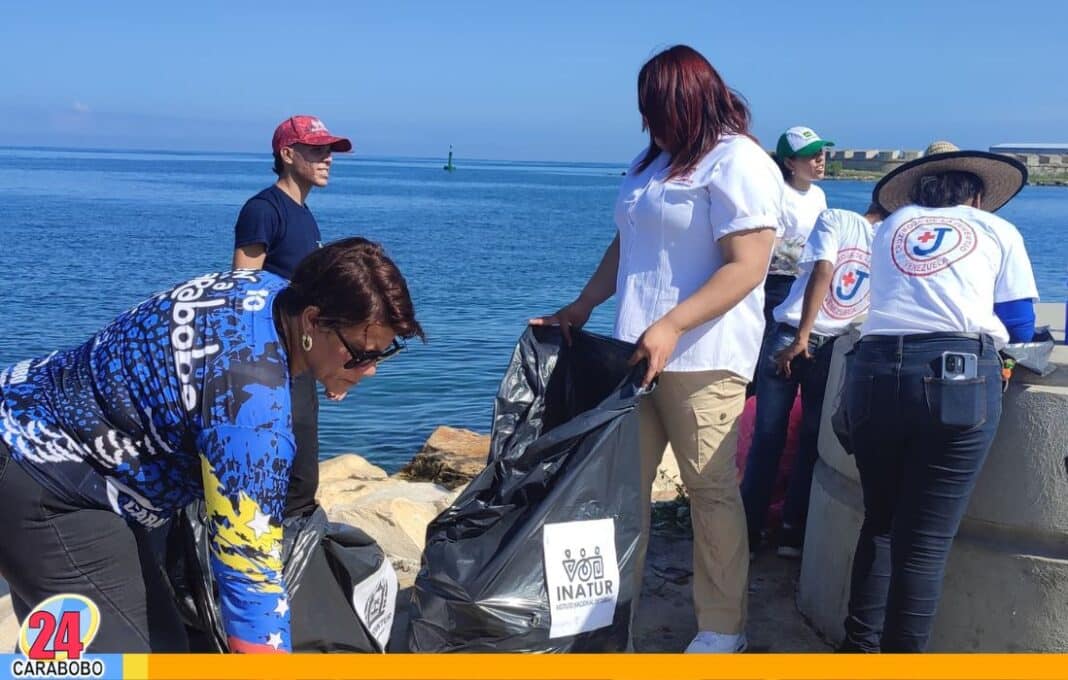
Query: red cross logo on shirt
927	236
848	279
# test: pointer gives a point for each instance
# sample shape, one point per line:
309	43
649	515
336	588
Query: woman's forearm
1018	317
747	257
725	289
602	285
819	283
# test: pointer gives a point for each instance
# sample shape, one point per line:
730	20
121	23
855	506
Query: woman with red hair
696	218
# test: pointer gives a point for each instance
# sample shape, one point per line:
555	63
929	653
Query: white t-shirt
799	212
942	270
843	238
668	231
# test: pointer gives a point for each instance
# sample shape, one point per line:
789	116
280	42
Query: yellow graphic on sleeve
245	540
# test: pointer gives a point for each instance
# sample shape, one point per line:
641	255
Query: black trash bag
538	553
366	577
1034	355
340	585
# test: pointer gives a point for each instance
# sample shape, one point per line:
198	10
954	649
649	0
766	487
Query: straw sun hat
940	146
1002	176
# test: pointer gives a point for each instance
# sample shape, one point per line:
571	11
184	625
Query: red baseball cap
307	130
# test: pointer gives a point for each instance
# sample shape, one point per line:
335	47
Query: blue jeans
776	290
775	398
919	442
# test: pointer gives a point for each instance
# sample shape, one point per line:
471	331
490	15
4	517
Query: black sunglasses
362	357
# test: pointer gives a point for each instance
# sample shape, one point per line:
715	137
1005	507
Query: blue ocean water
87	234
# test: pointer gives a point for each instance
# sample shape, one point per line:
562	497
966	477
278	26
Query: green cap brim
813	148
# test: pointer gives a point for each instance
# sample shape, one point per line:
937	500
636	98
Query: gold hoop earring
306	342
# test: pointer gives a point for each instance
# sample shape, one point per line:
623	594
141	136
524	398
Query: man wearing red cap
275	231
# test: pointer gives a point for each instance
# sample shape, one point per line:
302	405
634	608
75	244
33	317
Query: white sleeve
745	192
1016	279
823	241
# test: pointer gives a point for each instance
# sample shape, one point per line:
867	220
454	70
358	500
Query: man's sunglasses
362	357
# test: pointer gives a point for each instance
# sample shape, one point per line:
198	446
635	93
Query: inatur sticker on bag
581	575
373	599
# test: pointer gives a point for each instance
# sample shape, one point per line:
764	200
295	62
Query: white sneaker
789	552
708	642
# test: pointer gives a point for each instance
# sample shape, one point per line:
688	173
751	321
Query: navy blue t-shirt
286	229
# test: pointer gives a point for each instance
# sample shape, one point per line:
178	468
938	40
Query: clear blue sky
541	80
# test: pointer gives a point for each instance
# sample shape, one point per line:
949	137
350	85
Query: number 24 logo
60	627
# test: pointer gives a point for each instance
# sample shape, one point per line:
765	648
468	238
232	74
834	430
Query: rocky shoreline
395	511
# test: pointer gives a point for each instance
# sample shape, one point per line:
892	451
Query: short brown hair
352	281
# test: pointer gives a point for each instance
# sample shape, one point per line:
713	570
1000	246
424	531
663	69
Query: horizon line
344	155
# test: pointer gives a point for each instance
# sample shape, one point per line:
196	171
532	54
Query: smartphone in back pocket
959	366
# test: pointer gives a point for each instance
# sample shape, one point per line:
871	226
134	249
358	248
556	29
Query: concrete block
1000	596
1024	483
834	517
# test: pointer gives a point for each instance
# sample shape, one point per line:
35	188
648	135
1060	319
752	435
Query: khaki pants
698	412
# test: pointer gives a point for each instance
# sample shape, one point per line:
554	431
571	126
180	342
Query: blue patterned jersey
185	396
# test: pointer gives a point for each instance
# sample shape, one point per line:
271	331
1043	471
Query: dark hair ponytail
787	173
946	189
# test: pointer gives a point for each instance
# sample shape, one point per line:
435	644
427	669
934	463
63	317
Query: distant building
1049	161
870	160
1042	159
1031	148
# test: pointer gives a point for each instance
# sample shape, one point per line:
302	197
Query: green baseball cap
800	141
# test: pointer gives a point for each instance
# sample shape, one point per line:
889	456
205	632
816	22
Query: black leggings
304	474
49	547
